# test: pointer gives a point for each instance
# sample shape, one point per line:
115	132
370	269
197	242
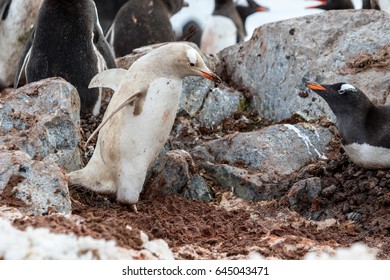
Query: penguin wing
103	48
25	56
109	79
129	100
4	8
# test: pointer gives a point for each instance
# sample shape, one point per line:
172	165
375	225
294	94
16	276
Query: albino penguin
16	21
138	120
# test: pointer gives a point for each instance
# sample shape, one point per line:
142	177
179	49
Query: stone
336	46
42	119
197	189
41	185
303	197
243	184
208	105
168	175
276	149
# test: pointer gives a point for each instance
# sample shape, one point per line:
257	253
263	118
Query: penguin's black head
341	97
174	6
256	7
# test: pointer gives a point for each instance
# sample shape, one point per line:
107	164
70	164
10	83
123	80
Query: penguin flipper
129	100
24	58
103	48
110	78
4	8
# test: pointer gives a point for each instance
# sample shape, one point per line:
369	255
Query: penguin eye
192	64
342	91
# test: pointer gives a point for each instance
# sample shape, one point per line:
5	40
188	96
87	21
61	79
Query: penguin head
341	97
174	6
182	60
253	6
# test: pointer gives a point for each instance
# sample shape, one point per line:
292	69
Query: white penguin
138	120
16	22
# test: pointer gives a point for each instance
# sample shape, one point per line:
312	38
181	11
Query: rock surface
336	46
42	120
41	186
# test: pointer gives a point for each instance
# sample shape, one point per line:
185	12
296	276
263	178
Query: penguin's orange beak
211	76
314	86
262	9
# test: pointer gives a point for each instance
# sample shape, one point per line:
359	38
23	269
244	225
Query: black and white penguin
364	128
383	5
227	25
107	10
141	23
333	5
68	42
16	20
246	11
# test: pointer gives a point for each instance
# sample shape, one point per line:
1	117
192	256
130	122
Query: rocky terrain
253	165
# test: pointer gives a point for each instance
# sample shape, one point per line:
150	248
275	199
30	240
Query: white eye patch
192	55
346	87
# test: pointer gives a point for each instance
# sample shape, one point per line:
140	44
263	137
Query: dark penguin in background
246	11
383	5
143	22
193	25
243	11
228	9
107	9
68	42
364	128
333	5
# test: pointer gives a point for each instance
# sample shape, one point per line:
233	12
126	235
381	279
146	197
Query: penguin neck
244	12
352	124
228	9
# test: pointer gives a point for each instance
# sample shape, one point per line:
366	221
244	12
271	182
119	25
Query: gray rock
207	104
278	149
243	184
336	46
41	185
169	174
303	197
197	189
42	119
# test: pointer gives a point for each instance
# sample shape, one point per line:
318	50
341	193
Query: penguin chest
368	156
220	32
146	133
384	5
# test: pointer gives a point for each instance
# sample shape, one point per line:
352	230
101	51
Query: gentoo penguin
68	42
107	9
227	25
16	20
364	128
138	119
383	5
333	5
366	4
195	38
140	23
246	11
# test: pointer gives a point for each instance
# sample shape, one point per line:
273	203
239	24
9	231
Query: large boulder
337	46
42	119
36	187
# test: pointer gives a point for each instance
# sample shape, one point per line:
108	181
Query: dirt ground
353	206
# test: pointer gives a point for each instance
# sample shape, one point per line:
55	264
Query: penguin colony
68	41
